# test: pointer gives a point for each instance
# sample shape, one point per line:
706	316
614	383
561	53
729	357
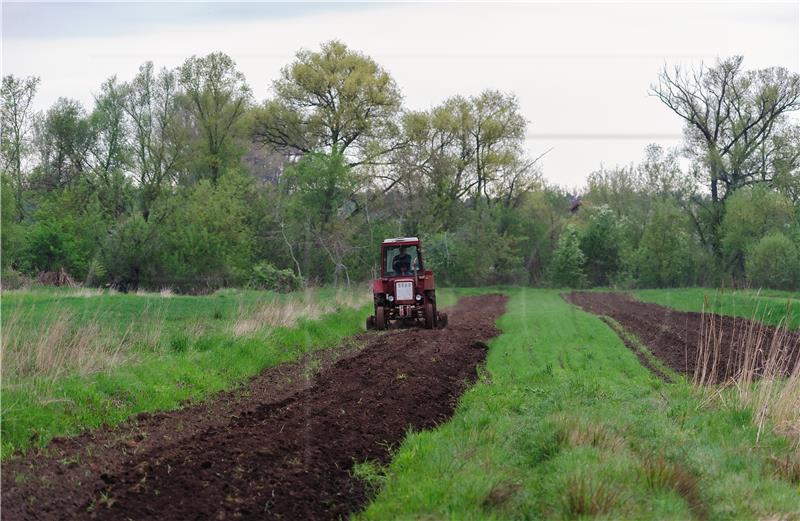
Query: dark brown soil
675	337
282	447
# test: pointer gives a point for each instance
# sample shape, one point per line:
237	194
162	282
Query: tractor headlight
419	297
390	298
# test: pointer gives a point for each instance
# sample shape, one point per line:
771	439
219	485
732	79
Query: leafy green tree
110	150
158	139
335	100
664	257
600	244
218	97
16	97
750	214
11	235
464	149
63	139
67	230
567	268
321	184
48	247
206	234
474	254
774	262
321	195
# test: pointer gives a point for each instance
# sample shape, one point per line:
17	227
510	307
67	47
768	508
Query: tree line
179	178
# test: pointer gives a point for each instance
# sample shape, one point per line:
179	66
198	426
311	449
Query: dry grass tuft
59	347
661	474
765	369
585	496
163	292
596	435
85	292
788	467
501	493
286	313
576	432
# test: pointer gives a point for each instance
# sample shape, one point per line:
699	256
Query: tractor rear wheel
380	318
430	316
370	322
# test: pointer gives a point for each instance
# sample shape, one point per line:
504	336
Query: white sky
581	70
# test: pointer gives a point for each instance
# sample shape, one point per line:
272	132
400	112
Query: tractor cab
400	259
405	291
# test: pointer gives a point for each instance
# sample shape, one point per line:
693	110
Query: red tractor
405	291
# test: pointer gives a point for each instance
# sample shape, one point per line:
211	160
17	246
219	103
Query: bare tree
734	120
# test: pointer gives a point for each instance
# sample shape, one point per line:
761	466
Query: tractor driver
401	263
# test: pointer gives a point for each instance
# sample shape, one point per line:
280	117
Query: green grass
173	315
178	362
565	423
769	306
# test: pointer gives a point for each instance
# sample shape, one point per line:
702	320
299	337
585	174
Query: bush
600	244
131	254
207	242
750	214
266	276
774	263
48	247
477	254
665	254
568	261
12	279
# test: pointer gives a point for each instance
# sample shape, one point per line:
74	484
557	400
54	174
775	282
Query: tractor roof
404	240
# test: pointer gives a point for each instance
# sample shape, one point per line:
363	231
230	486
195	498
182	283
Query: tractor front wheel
380	318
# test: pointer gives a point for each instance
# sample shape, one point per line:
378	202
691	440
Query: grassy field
566	423
75	359
768	306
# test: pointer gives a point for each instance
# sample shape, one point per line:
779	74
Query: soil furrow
675	337
275	449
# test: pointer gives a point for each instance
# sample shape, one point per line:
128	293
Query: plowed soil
282	447
675	337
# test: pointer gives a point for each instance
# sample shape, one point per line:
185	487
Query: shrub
132	253
266	276
568	261
12	279
49	247
750	214
664	257
774	262
600	244
477	254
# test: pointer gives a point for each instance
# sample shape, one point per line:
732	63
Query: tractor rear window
401	260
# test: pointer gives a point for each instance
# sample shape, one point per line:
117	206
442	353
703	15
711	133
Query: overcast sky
581	70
